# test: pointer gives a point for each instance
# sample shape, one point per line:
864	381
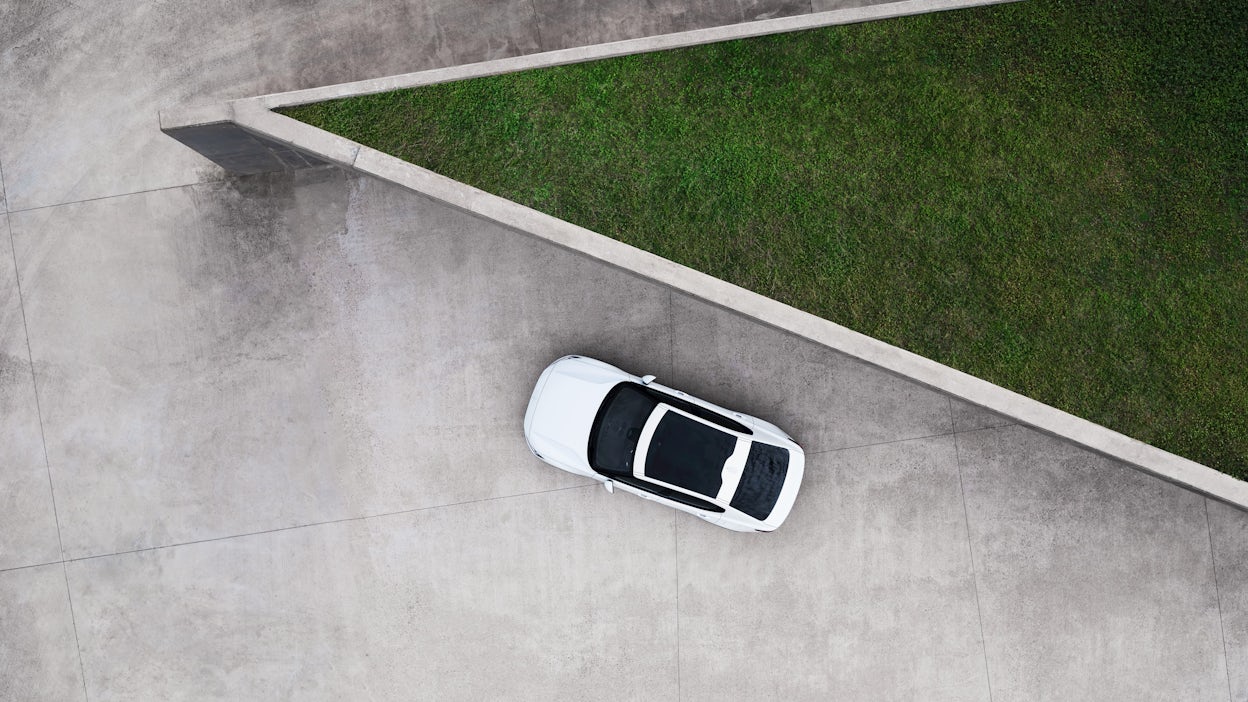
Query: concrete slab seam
43	440
253	115
886	443
30	359
537	26
188	184
970	552
28	566
1213	562
73	620
313	525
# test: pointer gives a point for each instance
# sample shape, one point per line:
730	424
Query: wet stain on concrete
255	259
320	43
14	373
21	23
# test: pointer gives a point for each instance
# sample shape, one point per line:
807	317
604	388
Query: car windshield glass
689	454
613	438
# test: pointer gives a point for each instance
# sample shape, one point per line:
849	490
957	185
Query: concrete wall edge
594	52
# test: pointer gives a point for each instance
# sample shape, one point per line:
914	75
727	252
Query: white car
731	469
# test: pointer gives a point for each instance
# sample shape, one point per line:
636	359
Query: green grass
1050	195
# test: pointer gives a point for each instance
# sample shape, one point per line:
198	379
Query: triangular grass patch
1048	195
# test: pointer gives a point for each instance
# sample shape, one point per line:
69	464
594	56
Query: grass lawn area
1051	195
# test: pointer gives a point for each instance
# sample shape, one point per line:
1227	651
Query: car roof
687	452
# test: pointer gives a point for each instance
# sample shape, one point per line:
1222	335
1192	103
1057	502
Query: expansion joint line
970	550
43	440
1217	591
537	26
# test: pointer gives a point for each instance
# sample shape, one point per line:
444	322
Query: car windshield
689	454
613	438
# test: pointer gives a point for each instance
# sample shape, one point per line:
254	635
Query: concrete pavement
259	437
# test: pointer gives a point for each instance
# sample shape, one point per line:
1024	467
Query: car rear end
788	493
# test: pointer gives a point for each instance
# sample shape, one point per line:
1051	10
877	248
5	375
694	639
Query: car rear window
613	437
765	469
689	454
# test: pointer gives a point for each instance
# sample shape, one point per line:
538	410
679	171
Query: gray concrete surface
968	417
290	330
27	520
827	5
78	104
867	595
38	653
859	405
565	23
436	604
336	367
1229	542
281	424
1095	582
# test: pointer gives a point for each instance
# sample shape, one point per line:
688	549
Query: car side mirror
610	486
647	379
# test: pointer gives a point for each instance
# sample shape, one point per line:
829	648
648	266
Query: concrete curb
626	47
254	116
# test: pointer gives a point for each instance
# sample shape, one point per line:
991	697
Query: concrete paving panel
824	399
567	23
865	593
27	519
563	595
78	104
277	350
38	655
1228	529
1095	580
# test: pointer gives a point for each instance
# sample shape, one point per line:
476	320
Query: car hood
562	410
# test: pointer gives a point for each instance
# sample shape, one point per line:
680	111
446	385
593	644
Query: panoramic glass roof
688	453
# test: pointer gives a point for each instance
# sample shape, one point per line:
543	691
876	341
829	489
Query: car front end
561	411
